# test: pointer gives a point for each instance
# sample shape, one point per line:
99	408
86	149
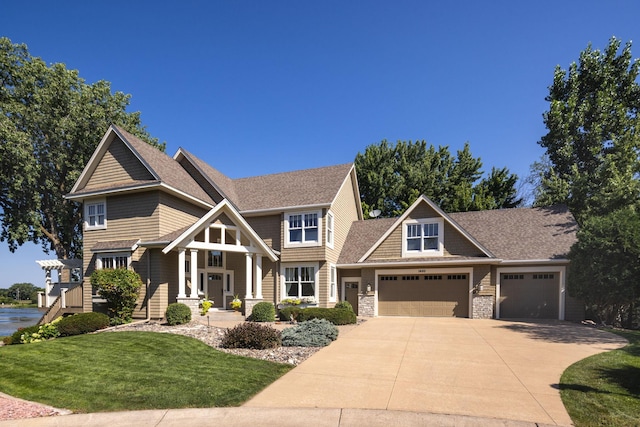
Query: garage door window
422	237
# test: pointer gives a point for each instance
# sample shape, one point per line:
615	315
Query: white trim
283	278
343	290
422	262
254	212
561	270
333	285
96	203
440	212
186	238
112	255
426	270
406	253
354	187
333	229
304	243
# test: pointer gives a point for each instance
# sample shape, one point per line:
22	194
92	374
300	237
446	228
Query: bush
82	323
337	316
263	312
251	335
45	332
121	288
285	313
178	314
312	333
346	305
16	337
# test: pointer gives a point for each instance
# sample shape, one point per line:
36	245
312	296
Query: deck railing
69	300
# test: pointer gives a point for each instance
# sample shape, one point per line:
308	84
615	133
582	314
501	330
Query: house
193	233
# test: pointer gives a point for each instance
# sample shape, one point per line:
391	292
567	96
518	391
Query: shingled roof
318	186
522	233
510	234
168	170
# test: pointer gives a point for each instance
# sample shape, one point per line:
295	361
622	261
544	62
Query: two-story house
191	232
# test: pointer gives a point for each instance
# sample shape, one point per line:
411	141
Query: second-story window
95	215
302	229
330	229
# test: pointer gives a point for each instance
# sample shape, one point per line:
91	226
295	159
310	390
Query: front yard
604	389
131	371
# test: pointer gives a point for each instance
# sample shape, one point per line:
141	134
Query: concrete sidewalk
252	417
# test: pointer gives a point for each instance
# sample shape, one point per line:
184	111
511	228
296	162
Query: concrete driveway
484	368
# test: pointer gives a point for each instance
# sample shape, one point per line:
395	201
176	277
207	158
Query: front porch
219	257
64	295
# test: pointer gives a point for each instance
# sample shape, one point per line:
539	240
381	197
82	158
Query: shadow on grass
580	388
627	377
558	331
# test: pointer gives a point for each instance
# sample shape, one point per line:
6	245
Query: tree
592	141
24	291
50	124
604	265
392	177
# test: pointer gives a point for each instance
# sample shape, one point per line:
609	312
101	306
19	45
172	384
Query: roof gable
227	212
423	207
163	170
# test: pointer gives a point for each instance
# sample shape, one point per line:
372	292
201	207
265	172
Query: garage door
423	295
527	295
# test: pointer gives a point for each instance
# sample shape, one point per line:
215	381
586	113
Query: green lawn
604	390
130	371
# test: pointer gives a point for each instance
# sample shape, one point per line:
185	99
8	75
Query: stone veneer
193	304
366	304
248	305
482	307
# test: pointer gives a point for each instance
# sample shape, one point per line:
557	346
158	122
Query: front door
215	288
351	294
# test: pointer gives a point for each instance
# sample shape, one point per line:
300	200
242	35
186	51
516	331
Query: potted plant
236	303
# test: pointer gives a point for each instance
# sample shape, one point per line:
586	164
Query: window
95	215
423	237
302	229
215	259
299	282
333	277
457	277
543	276
330	230
513	276
113	260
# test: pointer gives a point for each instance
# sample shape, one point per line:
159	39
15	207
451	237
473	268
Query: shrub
263	312
178	314
251	335
312	333
82	323
346	305
121	288
45	332
16	337
206	305
285	313
337	316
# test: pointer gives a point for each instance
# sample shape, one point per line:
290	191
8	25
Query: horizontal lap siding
176	213
118	166
391	248
345	212
268	228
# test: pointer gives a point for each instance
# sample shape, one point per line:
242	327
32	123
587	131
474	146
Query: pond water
13	318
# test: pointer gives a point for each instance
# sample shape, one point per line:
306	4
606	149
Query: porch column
181	275
258	274
47	287
193	265
248	275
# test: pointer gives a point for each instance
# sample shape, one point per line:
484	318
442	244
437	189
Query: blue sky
256	87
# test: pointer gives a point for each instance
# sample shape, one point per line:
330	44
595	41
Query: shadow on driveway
559	331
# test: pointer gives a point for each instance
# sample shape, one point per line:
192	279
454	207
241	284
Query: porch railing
69	301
